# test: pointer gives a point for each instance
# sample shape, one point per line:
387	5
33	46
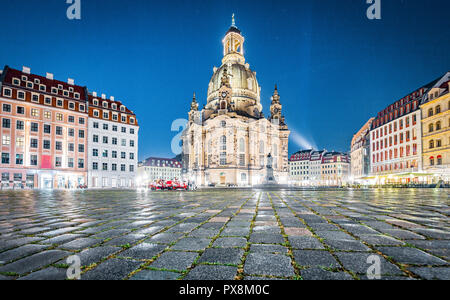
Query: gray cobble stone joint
264	234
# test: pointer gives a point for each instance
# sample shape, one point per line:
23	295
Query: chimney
111	98
103	96
26	70
49	76
94	94
70	81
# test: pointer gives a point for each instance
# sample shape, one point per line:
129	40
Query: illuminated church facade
229	141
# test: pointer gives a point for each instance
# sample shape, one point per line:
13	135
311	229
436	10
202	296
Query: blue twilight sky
334	67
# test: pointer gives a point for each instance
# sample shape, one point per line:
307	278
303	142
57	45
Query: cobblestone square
240	234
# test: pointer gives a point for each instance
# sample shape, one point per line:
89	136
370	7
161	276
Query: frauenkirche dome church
229	141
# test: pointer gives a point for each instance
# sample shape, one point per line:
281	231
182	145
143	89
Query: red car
158	185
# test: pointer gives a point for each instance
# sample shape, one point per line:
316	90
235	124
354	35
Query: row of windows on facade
34	160
395	166
113	127
105	105
380	132
115	117
437	162
393	140
436	110
242	160
46	144
21	95
35	112
435	144
34	127
393	154
113	141
95	166
43	88
223	146
105	153
17	177
436	126
393	112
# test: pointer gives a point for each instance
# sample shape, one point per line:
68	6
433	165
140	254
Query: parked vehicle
169	185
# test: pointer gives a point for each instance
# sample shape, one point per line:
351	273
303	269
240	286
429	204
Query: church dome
242	79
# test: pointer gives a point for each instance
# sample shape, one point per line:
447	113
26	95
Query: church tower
194	110
233	45
275	107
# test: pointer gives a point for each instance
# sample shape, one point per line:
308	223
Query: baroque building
229	140
436	131
360	153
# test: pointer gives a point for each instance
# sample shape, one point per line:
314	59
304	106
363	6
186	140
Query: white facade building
112	144
155	168
396	144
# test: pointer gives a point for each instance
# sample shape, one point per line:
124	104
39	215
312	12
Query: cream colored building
335	169
360	153
228	142
436	131
156	168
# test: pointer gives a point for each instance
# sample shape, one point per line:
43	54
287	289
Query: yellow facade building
436	132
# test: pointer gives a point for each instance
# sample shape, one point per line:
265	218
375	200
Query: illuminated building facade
47	129
436	131
335	169
113	144
156	168
44	131
360	153
229	140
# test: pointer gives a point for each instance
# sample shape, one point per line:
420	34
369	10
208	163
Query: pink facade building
44	124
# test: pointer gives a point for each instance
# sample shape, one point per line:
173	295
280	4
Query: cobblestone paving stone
219	234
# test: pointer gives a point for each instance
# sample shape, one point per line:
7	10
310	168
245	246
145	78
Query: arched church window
223	142
275	150
241	145
250	83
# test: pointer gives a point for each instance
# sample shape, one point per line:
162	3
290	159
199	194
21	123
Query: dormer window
24	78
60	86
105	104
16	81
77	95
37	81
71	89
54	90
95	101
114	106
131	120
30	84
122	108
42	88
66	93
